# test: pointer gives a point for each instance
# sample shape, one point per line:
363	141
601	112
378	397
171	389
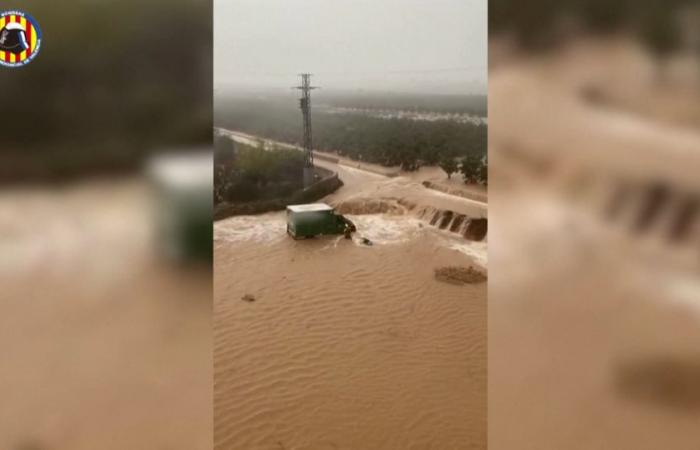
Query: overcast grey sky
432	46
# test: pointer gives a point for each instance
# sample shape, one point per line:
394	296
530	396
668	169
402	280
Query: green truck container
305	221
181	187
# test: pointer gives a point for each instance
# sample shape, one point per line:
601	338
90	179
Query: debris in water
366	241
29	445
248	298
671	381
459	275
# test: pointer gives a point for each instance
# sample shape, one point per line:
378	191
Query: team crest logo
20	38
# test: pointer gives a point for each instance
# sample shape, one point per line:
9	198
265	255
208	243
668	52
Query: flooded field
331	343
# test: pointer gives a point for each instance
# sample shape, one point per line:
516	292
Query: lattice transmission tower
305	105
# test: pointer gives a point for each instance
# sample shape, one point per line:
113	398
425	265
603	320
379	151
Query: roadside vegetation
474	170
244	173
405	143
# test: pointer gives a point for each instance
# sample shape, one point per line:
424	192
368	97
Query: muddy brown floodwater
102	344
349	346
593	331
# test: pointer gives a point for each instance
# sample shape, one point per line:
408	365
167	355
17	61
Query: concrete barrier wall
367	167
476	196
326	157
325	186
390	172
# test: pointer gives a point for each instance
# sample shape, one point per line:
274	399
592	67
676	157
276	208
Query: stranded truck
305	221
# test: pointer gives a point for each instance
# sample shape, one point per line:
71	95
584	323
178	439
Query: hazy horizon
411	46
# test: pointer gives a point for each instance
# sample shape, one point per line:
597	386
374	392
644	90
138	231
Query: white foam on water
262	229
476	251
380	229
386	230
391	230
333	243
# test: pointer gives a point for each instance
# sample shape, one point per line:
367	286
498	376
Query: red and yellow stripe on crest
3	21
30	34
13	57
31	38
23	22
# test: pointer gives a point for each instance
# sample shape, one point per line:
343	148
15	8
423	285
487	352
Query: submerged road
363	180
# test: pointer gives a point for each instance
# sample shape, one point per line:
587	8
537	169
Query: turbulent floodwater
349	346
381	229
345	346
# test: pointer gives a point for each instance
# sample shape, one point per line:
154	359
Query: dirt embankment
460	275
